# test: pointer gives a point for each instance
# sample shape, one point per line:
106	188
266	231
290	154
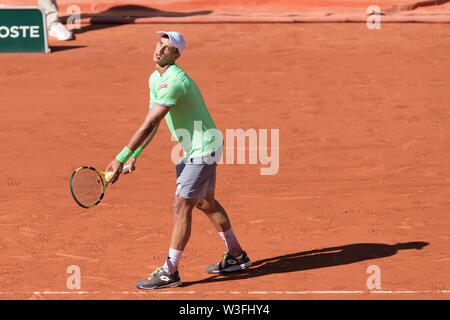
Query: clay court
363	178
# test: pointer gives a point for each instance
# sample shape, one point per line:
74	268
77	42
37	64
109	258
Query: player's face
165	52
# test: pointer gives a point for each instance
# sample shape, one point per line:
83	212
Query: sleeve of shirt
169	93
152	92
152	98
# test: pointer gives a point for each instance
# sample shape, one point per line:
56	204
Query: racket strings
87	187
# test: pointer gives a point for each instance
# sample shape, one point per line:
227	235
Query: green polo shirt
188	118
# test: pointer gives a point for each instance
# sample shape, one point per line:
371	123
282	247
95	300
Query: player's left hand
116	167
129	166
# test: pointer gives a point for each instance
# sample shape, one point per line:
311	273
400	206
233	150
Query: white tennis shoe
57	30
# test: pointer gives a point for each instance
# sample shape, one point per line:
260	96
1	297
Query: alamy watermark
374	19
374	280
74	20
236	150
74	280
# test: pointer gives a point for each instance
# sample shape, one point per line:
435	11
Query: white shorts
197	176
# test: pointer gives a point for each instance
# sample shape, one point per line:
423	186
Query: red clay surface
364	147
176	11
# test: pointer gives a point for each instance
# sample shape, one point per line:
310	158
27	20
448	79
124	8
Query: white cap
176	38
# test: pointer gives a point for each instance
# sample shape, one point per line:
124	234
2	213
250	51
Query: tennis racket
88	186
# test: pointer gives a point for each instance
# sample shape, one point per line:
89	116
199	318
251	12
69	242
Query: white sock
174	257
231	242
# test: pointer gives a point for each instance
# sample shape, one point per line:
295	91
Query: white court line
409	291
309	292
232	292
62	292
350	292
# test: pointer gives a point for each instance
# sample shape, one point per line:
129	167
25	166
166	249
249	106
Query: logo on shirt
164	85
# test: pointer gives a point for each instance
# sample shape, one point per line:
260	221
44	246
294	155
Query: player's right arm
166	98
160	105
131	163
154	116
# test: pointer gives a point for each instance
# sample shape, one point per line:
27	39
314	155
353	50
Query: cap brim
162	33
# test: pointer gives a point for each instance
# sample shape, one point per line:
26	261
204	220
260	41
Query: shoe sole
171	285
233	268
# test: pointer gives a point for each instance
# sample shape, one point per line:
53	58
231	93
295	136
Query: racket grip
125	168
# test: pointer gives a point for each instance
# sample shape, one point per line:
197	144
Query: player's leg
215	212
236	258
192	183
181	231
167	276
182	214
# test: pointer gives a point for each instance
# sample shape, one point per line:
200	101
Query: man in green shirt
175	97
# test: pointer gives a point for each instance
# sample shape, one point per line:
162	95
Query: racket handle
125	168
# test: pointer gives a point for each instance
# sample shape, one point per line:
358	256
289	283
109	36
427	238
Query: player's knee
180	213
207	205
182	208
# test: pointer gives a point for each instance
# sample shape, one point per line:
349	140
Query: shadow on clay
314	259
125	14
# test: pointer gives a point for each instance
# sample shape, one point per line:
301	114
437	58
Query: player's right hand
131	165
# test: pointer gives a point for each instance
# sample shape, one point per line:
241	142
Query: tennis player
175	97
